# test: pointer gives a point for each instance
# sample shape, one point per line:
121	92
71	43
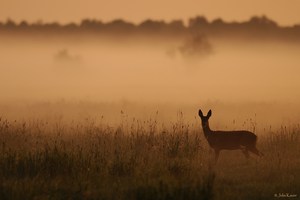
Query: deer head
204	119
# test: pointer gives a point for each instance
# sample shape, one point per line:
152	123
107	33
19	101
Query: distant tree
10	24
198	22
176	25
91	24
150	25
120	25
262	21
23	24
64	56
195	46
218	22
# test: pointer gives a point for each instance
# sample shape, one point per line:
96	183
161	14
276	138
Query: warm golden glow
101	99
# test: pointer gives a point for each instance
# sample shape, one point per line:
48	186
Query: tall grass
139	160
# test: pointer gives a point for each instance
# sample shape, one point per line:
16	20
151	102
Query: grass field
88	159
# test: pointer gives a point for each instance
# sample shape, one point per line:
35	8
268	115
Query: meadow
135	158
90	117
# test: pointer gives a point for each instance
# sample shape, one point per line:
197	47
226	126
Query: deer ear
200	113
209	113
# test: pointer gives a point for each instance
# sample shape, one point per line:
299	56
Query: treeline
262	26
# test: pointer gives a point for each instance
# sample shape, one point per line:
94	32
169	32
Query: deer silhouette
228	140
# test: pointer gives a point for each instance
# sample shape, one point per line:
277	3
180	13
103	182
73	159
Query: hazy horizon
185	21
284	12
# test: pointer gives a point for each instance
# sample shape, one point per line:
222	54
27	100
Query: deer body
228	140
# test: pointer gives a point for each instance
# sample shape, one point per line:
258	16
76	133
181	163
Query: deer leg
246	153
217	152
256	152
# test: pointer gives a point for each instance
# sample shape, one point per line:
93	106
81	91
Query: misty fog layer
240	80
149	72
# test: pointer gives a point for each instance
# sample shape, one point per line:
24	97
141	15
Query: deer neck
206	129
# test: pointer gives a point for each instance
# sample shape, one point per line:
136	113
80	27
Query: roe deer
229	140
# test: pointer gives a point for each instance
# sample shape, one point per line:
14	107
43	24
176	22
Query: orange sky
285	12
